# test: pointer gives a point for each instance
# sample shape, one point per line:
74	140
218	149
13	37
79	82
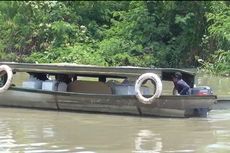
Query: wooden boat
102	93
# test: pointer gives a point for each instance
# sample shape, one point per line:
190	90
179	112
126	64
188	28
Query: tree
218	39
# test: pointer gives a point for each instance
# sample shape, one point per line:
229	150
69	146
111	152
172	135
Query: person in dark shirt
180	85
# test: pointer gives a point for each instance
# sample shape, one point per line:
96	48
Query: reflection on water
147	142
23	130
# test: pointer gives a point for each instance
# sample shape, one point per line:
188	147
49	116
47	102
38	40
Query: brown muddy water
37	131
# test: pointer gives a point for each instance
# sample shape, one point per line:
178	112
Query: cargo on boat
112	90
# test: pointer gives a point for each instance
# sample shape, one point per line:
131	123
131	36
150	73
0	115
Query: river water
37	131
33	131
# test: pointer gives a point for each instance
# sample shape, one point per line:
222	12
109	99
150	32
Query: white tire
144	77
9	73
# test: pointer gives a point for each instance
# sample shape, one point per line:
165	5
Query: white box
62	86
129	90
50	85
32	84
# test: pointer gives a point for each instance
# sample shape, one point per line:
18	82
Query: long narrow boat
111	90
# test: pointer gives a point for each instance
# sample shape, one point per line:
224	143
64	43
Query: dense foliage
218	39
112	33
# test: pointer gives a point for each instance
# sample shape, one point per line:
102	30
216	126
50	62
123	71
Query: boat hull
164	106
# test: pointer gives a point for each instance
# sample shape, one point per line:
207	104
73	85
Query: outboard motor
201	91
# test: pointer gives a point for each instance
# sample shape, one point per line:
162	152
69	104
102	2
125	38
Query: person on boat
40	76
180	85
63	78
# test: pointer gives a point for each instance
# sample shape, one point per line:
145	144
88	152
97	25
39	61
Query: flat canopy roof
88	69
92	70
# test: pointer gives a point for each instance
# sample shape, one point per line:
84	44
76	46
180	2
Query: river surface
33	131
37	131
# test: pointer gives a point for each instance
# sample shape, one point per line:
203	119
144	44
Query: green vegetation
217	40
113	33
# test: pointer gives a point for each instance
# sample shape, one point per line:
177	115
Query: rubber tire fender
144	77
9	77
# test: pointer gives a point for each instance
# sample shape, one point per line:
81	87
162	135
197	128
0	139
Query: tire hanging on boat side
144	77
9	73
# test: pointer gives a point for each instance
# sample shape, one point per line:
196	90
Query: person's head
177	76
